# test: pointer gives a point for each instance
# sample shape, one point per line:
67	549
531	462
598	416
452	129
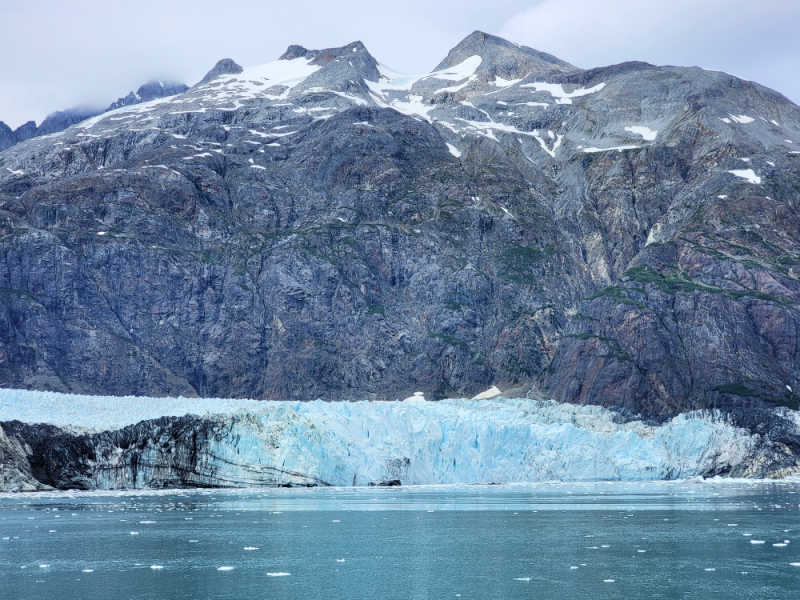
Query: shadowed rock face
625	235
164	453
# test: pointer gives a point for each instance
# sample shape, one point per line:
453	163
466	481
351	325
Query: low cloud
753	40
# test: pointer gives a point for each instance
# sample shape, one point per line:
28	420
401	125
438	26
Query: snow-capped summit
224	66
501	58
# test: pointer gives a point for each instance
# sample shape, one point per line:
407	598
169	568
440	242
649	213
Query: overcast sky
56	53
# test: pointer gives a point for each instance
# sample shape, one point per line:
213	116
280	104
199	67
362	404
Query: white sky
55	53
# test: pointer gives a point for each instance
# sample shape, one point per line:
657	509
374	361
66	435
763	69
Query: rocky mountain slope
320	226
61	119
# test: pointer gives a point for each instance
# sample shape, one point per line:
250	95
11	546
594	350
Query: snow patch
453	150
645	132
747	174
492	392
617	148
556	90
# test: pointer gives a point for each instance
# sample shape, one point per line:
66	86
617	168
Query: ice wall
416	441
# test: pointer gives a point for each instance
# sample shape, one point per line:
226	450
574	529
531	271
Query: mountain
149	91
60	120
320	226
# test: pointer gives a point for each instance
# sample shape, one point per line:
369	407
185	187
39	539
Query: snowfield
422	442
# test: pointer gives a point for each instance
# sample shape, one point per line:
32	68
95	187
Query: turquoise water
605	540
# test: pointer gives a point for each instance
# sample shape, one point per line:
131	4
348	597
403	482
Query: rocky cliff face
322	227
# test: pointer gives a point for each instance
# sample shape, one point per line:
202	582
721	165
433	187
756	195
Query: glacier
413	441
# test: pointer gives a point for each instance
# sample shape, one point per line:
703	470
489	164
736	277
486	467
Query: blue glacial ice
422	442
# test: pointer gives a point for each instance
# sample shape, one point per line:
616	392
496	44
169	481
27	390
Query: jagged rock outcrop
321	227
149	91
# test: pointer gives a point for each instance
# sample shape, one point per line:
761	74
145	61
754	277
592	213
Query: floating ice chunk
87	570
747	174
640	551
453	150
646	133
278	574
339	560
794	564
780	545
133	533
146	522
757	542
573	567
335	521
193	541
250	548
525	579
608	580
710	569
44	566
156	567
733	524
225	568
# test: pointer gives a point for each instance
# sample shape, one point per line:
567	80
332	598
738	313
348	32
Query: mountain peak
503	58
225	66
340	66
326	55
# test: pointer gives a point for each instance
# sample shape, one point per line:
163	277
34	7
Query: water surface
592	540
